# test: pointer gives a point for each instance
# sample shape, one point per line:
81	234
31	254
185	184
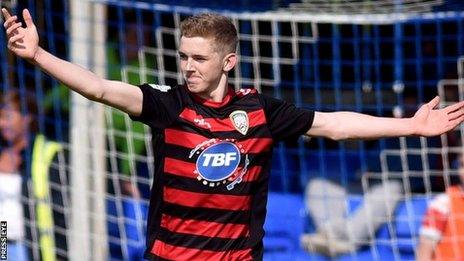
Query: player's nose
189	66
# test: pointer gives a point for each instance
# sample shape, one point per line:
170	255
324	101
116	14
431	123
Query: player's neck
219	93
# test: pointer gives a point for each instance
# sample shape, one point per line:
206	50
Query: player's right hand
23	41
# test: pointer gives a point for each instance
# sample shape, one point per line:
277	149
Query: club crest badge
240	121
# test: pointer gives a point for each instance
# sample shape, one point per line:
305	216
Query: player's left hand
22	41
430	121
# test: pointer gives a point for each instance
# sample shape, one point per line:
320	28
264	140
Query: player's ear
230	60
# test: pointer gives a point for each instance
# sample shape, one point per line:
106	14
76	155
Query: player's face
201	64
12	124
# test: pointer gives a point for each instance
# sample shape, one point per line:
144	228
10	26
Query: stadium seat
113	230
134	214
284	225
293	256
286	221
406	225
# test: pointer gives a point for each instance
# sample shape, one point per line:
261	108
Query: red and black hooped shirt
212	161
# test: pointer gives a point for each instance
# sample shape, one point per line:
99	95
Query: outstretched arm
428	121
24	42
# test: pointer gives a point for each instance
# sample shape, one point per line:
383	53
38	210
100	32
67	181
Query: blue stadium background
350	67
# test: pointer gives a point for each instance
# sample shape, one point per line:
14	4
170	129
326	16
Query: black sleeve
161	106
285	120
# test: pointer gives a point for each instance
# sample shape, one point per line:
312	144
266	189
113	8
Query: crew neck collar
210	103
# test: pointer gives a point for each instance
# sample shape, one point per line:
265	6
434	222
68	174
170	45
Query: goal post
301	57
88	235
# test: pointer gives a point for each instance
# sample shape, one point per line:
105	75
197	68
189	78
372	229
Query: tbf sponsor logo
220	162
219	159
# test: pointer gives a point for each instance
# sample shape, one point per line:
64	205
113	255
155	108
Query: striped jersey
443	224
436	217
212	161
440	212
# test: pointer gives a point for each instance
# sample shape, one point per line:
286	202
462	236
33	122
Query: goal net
382	59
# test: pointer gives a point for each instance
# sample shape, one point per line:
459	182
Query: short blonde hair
215	26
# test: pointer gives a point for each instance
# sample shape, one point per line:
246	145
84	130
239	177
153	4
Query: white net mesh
366	7
321	55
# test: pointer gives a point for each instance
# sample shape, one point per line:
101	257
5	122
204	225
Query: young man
26	157
442	231
213	145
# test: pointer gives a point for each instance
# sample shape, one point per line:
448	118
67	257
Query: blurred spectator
442	231
338	232
15	129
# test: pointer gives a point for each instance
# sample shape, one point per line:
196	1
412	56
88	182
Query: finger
9	21
27	18
13	28
456	114
15	38
456	122
454	107
434	102
15	46
5	13
11	46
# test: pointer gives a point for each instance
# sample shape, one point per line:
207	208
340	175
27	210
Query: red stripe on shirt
183	138
179	168
217	201
435	219
256	145
186	169
204	228
252	174
191	140
171	252
255	118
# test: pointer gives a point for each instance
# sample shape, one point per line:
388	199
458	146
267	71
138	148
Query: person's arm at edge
120	95
427	121
426	249
24	43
